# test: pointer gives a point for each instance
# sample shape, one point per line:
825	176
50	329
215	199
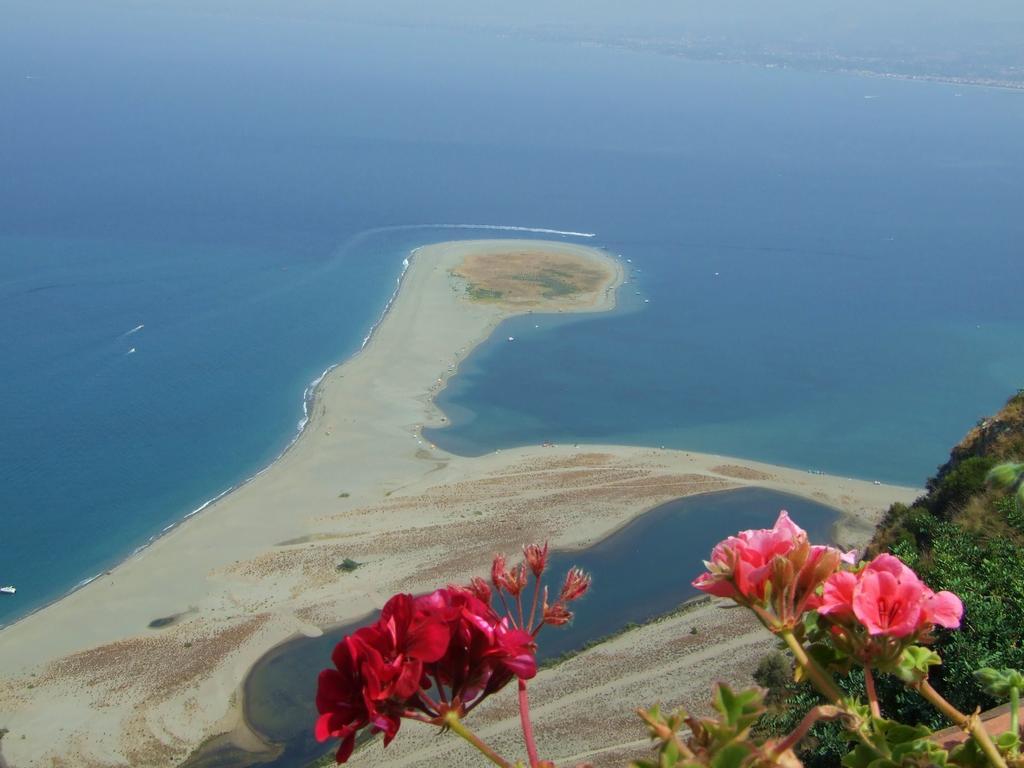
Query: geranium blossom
888	599
774	568
484	652
377	673
438	655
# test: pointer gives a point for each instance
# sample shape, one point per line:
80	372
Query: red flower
444	652
377	674
515	580
339	699
484	652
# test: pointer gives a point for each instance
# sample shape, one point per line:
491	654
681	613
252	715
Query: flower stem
533	608
824	712
869	683
968	723
524	718
451	719
822	680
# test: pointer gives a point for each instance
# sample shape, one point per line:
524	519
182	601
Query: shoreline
309	396
360	482
309	400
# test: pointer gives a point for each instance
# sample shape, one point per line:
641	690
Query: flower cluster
878	614
775	570
437	656
877	611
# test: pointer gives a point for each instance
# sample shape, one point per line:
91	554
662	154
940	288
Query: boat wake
509	228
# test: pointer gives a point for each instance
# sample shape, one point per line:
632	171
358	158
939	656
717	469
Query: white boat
8	590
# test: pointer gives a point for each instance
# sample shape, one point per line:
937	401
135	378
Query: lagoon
641	571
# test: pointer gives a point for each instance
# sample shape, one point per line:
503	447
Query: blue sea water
241	186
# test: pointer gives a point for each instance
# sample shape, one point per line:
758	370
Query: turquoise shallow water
215	179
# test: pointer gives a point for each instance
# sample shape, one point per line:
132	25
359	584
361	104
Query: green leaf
829	657
969	755
864	757
913	664
731	756
1008	741
741	709
669	753
898	734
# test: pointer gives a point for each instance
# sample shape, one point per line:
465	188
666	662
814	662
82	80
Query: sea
202	211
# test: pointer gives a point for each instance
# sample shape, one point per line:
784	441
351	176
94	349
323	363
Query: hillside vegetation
968	537
964	535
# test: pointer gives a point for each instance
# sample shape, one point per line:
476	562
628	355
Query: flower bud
515	580
499	576
536	557
556	615
1006	475
577	582
480	589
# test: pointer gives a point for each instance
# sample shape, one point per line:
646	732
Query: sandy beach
89	682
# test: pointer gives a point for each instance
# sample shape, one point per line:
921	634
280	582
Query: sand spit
87	682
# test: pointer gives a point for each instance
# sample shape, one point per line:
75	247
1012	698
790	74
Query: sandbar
88	682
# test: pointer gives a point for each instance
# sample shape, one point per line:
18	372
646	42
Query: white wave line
136	329
509	228
309	395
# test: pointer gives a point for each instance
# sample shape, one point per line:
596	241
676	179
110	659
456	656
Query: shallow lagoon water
641	571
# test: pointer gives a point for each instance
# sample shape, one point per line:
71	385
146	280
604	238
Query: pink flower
888	599
943	608
739	566
772	567
837	596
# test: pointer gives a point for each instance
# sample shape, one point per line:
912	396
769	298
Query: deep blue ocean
825	268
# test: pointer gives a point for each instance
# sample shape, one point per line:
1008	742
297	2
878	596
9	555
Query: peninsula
144	664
